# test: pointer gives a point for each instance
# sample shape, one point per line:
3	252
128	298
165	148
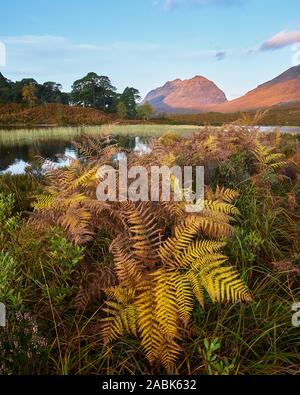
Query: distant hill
193	95
201	95
283	89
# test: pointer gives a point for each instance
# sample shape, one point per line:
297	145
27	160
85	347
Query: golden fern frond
267	159
122	321
169	353
151	335
198	250
273	158
221	207
185	232
71	200
44	202
226	194
166	307
221	283
248	119
178	251
196	284
121	294
84	178
184	295
277	166
216	225
121	313
166	252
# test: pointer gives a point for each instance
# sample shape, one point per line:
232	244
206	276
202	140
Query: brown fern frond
99	279
129	270
145	235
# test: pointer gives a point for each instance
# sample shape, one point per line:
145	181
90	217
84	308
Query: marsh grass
20	136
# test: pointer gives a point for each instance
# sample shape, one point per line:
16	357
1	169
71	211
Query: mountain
156	97
201	95
281	90
193	95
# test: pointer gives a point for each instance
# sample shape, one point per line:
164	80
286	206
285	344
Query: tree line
92	90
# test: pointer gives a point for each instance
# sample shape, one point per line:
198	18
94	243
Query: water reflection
58	153
18	167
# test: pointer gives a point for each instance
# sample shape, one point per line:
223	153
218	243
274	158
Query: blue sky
144	43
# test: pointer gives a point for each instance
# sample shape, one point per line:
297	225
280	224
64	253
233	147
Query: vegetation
28	88
280	115
28	136
145	112
97	287
92	91
50	114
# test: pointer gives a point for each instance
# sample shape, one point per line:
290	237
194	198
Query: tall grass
19	136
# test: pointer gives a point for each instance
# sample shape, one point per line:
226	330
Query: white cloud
281	40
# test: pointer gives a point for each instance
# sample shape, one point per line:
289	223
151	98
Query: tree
129	97
145	111
5	90
94	91
50	92
17	90
29	94
121	110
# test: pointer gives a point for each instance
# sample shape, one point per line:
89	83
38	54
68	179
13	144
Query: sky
238	44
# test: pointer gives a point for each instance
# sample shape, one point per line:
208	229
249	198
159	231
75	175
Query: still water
17	154
15	158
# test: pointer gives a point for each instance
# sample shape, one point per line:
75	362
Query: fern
164	260
187	267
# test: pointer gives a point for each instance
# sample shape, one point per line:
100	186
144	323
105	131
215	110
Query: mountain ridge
199	94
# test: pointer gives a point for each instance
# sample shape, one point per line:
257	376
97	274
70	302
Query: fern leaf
150	332
166	306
